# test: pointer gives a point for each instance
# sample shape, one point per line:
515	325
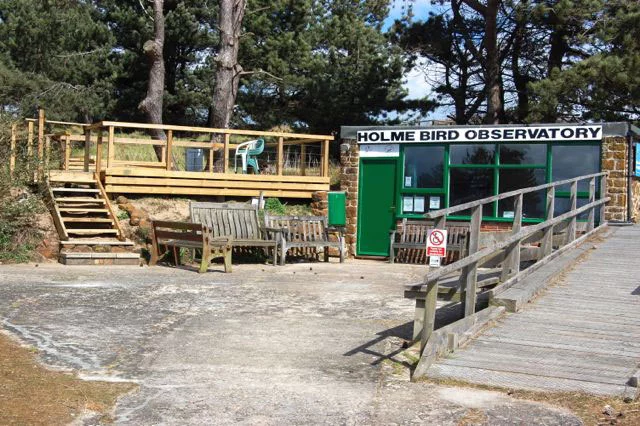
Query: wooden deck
583	334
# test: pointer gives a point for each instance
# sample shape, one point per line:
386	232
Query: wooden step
87	219
82	210
71	177
96	242
91	231
79	200
61	189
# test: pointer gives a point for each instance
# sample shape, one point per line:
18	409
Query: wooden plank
211	160
225	167
511	264
127	125
41	125
203	145
30	125
47	152
325	158
546	245
139	172
111	149
279	157
592	197
429	320
91	231
99	152
169	149
111	213
87	190
79	200
303	159
55	214
59	176
82	210
86	219
87	150
12	149
67	152
134	141
205	191
210	183
469	276
573	199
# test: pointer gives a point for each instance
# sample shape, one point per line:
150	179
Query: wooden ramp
580	335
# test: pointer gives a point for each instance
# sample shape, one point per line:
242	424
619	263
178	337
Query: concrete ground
301	344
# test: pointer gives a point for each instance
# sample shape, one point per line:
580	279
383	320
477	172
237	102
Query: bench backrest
417	231
237	220
299	228
164	231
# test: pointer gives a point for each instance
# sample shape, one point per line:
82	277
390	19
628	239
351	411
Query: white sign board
381	150
551	133
434	262
437	243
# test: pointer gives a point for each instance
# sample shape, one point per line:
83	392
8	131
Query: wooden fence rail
509	248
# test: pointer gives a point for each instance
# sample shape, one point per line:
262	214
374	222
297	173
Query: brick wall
319	204
615	160
349	160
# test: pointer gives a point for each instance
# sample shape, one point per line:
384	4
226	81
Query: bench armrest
339	229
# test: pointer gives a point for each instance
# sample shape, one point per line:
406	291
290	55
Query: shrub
274	206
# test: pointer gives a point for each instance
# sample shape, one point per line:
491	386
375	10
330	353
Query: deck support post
303	159
546	245
111	149
225	167
99	154
41	121
511	263
67	151
12	149
325	158
429	318
469	276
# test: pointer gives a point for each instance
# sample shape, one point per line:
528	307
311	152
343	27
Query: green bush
274	206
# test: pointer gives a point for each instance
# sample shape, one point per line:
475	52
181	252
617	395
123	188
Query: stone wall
319	204
615	160
349	160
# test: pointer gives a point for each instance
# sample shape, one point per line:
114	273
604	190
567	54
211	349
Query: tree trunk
227	67
151	105
492	67
520	79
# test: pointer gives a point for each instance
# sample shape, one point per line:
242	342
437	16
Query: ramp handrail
510	247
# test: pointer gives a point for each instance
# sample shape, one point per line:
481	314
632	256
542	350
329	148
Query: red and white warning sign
437	243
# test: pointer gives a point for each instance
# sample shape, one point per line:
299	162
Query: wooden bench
176	235
238	221
305	232
413	236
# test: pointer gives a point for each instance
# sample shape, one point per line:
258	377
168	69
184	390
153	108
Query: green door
376	209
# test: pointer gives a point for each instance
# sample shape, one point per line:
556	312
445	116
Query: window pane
469	185
563	205
523	154
472	154
571	161
423	166
533	204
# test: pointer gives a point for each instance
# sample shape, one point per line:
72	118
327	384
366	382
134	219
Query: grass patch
31	394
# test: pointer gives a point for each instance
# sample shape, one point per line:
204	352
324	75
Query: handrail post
47	152
511	263
280	159
469	275
111	148
67	151
573	199
429	319
546	246
99	153
87	149
603	195
325	158
12	152
41	121
30	141
169	149
303	159
592	210
225	166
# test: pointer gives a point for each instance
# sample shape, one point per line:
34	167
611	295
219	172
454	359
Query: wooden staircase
87	224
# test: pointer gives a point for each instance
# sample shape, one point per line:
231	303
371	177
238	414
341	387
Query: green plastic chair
248	153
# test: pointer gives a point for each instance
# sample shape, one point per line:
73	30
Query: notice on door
437	243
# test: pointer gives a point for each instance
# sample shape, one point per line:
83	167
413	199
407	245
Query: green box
337	208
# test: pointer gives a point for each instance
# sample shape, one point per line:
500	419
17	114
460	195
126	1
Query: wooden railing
103	134
509	248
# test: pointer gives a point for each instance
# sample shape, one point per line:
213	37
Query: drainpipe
630	173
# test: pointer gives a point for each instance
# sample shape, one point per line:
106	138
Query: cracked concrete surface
300	344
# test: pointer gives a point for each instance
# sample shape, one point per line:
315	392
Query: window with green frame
438	176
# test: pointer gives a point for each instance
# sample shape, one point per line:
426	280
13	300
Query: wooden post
573	199
592	211
546	245
12	148
325	158
47	152
603	195
511	263
303	159
429	320
67	151
211	155
87	149
41	119
440	222
169	148
225	167
469	276
111	148
279	157
30	140
99	153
